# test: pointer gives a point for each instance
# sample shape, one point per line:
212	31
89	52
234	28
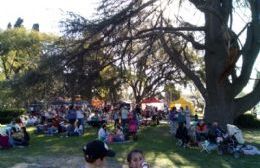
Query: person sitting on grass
26	137
95	153
201	131
78	128
135	159
73	129
52	129
119	135
19	138
215	132
102	133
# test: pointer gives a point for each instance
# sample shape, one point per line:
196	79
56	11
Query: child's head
104	126
135	159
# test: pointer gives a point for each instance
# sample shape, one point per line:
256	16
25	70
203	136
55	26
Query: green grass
159	148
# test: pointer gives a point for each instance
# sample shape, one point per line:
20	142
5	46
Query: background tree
108	87
9	26
36	27
18	23
146	74
20	53
171	93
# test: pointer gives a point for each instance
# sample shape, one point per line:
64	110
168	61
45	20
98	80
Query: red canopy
151	100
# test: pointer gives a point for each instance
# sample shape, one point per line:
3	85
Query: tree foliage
20	53
123	24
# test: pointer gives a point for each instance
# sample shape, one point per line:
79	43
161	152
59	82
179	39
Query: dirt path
58	162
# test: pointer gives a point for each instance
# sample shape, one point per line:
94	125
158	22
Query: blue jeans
124	121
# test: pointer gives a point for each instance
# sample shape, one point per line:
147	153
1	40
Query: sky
47	13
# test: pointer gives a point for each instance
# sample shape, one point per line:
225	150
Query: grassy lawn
160	150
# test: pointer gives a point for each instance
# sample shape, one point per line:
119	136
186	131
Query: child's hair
104	126
130	154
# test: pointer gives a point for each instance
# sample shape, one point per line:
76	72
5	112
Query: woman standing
187	117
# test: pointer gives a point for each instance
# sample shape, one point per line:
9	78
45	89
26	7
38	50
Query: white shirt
124	113
102	133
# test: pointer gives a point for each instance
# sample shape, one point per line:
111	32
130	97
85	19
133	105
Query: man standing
187	116
124	116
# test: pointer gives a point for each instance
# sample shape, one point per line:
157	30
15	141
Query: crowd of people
72	120
126	124
207	136
192	132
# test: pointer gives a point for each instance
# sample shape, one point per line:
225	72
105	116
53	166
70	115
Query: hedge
247	121
7	115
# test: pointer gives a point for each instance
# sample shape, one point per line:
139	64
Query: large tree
218	79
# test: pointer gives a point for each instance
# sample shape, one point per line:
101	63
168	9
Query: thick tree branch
175	30
226	6
233	75
198	3
247	102
172	29
175	57
191	39
250	53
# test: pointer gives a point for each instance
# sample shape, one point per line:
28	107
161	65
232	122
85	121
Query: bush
247	121
7	115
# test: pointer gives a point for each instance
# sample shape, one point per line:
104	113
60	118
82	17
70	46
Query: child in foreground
136	159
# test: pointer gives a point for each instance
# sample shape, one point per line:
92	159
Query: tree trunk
138	99
219	102
219	110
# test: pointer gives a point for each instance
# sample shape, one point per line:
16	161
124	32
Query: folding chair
207	146
204	146
179	142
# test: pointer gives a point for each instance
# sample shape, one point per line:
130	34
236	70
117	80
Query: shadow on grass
51	146
159	147
161	151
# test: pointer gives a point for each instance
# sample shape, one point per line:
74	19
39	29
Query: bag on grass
4	142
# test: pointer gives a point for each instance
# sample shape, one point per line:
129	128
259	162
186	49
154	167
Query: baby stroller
232	142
